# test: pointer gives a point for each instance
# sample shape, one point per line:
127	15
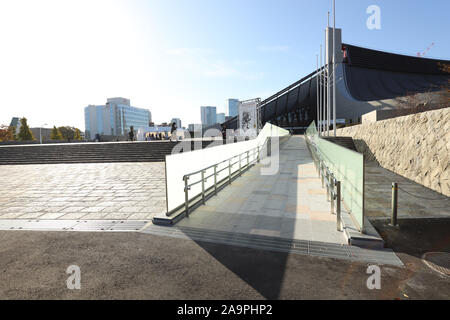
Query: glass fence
347	166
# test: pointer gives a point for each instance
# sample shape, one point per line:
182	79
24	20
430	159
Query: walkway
290	204
83	191
414	200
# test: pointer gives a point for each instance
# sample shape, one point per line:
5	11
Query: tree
25	133
434	98
68	133
55	134
7	133
77	134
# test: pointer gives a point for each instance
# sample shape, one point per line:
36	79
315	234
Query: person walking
224	132
131	133
172	130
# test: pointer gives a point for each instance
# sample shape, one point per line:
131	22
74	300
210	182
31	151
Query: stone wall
415	146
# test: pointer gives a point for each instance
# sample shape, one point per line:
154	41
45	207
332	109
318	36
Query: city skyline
169	62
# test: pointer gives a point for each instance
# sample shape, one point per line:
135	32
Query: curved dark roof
380	60
376	75
369	75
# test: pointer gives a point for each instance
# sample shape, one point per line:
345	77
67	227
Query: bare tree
434	98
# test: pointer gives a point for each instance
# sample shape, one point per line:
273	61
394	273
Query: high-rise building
233	107
15	122
177	122
194	127
115	118
208	115
221	118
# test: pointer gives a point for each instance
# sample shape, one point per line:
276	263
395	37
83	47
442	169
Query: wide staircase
346	142
89	152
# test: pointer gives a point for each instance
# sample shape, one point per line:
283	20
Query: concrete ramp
286	211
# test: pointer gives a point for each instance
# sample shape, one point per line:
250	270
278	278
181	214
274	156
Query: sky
171	57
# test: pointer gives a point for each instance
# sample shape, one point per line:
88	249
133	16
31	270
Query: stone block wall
415	146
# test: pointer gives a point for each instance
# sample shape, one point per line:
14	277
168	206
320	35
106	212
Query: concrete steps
346	142
88	152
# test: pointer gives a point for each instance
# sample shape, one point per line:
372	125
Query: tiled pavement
82	191
290	204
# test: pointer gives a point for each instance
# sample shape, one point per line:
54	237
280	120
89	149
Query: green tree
55	134
68	133
12	132
77	134
25	133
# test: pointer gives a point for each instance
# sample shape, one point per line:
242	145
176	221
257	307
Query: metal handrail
203	179
328	179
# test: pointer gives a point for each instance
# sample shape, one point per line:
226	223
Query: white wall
180	164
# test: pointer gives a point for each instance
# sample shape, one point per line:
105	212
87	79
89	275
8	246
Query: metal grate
438	261
304	247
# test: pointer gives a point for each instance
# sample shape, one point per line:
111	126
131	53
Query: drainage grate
438	261
304	247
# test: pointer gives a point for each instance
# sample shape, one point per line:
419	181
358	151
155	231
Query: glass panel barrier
347	167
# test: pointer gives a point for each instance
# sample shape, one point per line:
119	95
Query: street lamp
40	133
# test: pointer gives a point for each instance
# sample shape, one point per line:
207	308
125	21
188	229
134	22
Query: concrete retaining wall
415	146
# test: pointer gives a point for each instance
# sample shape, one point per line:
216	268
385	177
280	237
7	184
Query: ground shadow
264	270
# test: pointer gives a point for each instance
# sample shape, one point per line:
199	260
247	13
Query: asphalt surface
141	266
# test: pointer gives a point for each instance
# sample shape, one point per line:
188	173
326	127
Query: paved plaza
290	204
133	191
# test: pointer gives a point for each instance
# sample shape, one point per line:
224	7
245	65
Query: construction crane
422	54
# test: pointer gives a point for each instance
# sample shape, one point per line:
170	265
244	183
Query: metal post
338	205
332	194
186	196
334	67
215	180
394	204
203	186
321	172
327	55
229	171
240	165
320	94
317	90
248	159
257	155
327	176
327	82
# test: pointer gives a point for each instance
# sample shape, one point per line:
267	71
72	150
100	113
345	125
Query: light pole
317	87
40	133
320	91
334	67
327	39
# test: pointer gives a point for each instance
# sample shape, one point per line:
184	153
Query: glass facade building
114	119
233	107
208	115
220	118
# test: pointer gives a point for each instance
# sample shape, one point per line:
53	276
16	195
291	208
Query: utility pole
334	67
